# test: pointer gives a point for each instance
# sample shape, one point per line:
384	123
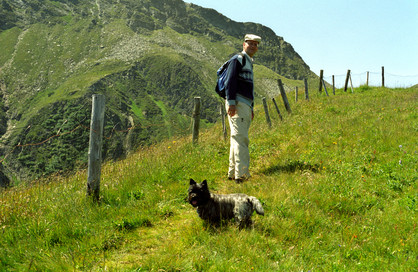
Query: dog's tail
257	205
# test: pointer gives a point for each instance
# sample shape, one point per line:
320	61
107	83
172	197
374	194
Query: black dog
214	208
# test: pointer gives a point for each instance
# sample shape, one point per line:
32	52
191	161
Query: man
239	105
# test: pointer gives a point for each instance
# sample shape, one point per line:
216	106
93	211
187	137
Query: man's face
250	47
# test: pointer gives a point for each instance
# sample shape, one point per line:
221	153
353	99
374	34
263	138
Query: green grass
8	39
337	179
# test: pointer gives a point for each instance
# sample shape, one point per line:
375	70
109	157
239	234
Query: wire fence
79	125
374	79
358	79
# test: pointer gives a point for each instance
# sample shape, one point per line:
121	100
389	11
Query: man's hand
232	110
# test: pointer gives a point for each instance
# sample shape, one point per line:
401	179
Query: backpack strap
243	58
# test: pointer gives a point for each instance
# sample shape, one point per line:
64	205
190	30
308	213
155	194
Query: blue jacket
240	80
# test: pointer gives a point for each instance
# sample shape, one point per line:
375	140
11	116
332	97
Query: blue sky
360	35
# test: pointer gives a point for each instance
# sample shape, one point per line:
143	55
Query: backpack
221	73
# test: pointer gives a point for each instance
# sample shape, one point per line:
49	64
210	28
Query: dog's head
198	193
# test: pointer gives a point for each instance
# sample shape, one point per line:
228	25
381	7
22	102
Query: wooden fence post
296	93
222	112
367	80
321	80
196	119
333	84
351	84
306	89
95	146
346	81
283	93
325	87
383	76
266	110
277	109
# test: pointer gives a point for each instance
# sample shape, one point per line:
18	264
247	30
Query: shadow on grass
291	167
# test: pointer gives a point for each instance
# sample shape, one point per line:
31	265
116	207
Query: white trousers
239	155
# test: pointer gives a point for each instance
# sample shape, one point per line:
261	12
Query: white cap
252	37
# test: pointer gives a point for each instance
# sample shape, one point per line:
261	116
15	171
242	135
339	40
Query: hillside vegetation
337	179
149	58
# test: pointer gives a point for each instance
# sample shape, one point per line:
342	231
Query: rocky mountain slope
148	57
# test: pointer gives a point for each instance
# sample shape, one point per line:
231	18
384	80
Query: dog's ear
204	183
192	182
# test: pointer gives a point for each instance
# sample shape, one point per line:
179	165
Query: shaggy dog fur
214	208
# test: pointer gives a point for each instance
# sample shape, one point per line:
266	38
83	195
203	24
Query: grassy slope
54	60
337	179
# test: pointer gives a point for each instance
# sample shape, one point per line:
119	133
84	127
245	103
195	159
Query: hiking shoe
242	179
